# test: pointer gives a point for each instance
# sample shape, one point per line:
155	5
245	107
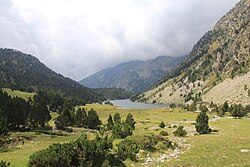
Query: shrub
166	144
4	164
146	142
164	133
162	125
172	105
127	149
82	152
247	108
180	132
121	130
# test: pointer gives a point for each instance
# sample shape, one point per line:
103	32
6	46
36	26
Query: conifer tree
130	121
201	125
110	123
117	118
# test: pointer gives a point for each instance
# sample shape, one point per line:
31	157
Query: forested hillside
24	72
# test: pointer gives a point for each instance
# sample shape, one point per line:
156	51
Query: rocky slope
217	68
135	76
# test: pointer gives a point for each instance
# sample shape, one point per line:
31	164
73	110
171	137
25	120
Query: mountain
217	68
25	72
134	76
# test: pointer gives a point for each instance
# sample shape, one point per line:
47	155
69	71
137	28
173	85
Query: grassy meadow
21	94
220	148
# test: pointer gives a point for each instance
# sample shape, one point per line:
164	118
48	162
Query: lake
126	103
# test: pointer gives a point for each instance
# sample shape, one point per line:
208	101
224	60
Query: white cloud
79	37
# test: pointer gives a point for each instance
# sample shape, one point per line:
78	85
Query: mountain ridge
135	75
220	54
25	72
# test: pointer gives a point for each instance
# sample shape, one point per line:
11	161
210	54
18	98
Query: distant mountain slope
219	55
25	72
135	76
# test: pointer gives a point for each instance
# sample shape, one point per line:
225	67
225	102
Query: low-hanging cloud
79	37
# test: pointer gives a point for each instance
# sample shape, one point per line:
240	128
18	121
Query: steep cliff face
221	56
134	76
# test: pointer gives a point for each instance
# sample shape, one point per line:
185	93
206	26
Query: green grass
17	93
221	149
54	115
217	149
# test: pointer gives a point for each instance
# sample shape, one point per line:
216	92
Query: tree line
16	113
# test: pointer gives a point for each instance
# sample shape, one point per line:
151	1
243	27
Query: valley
222	148
191	110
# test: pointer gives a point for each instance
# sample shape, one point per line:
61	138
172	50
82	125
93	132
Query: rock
244	150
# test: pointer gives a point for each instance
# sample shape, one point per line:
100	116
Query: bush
127	149
247	108
4	164
180	132
82	152
172	105
162	125
146	142
164	133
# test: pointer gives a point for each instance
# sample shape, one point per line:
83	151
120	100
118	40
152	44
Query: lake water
126	103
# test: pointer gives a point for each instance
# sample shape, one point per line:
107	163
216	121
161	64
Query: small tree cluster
16	112
121	129
236	110
191	107
79	118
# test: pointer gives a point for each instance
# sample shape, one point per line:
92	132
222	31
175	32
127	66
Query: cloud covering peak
79	37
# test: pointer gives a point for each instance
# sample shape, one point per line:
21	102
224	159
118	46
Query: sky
77	38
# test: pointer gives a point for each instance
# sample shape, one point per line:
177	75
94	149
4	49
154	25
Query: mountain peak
135	76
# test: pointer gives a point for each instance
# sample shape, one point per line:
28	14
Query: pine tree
130	121
201	125
3	123
39	115
110	123
162	124
225	107
93	120
78	120
117	118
